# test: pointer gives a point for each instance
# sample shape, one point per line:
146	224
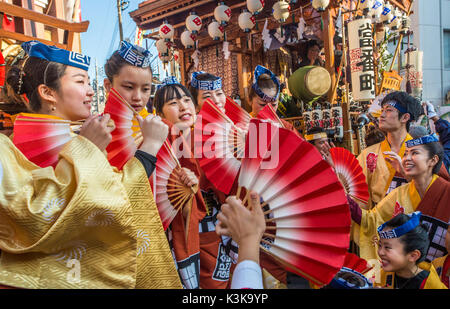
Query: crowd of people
105	218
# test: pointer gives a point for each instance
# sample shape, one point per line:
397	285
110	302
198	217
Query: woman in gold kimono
427	192
81	224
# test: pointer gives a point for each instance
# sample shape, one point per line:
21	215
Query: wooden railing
69	28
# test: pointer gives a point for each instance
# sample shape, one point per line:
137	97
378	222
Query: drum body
309	82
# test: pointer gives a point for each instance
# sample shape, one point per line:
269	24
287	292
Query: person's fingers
254	202
140	120
332	144
222	230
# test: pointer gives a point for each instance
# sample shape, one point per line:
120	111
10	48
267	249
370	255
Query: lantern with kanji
281	10
215	30
246	21
187	39
255	6
193	23
166	31
165	58
320	5
222	14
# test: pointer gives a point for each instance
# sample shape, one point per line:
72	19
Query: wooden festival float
229	38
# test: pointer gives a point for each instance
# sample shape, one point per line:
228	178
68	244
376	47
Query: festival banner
360	43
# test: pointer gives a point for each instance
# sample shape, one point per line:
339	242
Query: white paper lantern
255	6
387	14
193	23
376	10
162	47
166	31
246	21
222	13
396	21
281	11
187	39
320	5
366	5
215	30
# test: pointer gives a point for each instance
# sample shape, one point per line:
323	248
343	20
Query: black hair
416	239
409	103
26	79
309	44
114	64
169	92
202	77
373	136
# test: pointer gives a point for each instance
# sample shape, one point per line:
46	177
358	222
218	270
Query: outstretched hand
245	226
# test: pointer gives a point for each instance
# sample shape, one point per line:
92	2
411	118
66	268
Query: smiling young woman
83	210
427	192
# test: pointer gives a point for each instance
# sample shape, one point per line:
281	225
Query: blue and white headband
170	80
395	104
422	140
55	54
205	84
401	230
134	55
259	70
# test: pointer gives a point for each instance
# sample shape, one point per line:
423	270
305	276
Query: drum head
318	81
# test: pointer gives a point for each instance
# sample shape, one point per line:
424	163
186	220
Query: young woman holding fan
67	218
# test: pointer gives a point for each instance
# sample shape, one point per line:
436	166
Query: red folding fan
41	137
356	263
2	70
239	116
350	174
307	216
169	192
270	114
126	137
219	146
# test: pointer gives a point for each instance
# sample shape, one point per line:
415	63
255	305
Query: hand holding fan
350	174
219	146
169	191
307	216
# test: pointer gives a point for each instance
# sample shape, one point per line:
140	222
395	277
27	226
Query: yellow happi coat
431	282
379	173
404	199
80	225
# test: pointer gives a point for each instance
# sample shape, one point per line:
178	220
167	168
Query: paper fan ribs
125	140
41	137
219	145
307	216
169	192
350	174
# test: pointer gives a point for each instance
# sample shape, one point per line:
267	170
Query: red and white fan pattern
350	174
308	219
41	137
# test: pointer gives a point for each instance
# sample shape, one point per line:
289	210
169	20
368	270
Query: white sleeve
247	275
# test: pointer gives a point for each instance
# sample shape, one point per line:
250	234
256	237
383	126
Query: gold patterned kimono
80	225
